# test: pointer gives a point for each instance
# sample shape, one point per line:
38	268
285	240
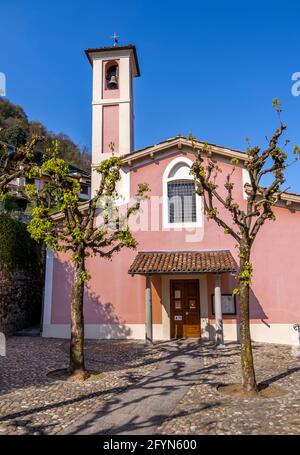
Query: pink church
182	274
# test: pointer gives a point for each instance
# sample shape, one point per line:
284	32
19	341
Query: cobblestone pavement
203	410
30	403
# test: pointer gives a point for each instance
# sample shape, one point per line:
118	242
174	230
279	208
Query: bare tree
246	220
74	229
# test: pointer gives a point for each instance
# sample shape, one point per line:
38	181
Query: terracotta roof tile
158	262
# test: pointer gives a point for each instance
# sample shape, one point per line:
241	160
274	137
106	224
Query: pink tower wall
110	127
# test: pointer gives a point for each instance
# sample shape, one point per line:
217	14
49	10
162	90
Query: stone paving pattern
203	410
30	403
144	406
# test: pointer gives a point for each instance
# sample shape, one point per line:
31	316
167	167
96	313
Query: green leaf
275	102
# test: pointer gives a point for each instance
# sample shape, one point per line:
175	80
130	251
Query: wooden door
185	308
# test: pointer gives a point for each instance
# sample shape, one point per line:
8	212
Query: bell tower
112	102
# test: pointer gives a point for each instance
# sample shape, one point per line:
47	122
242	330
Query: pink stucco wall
111	297
110	127
114	296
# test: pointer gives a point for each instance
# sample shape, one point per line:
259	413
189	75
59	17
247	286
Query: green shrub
17	249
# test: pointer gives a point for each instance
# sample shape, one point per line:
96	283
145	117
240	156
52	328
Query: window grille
181	201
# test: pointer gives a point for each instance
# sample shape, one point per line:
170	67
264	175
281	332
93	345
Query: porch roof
168	262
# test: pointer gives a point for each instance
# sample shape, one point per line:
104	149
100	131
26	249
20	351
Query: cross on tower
115	38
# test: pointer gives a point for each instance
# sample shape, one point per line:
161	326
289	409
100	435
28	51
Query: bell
112	83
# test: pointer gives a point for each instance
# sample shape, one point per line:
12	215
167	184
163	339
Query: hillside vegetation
15	128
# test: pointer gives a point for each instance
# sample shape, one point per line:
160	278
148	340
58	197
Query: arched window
182	207
112	76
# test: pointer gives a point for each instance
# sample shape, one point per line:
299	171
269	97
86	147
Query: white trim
166	309
181	143
124	102
230	331
246	179
48	287
166	180
264	333
124	70
97	78
275	333
97	120
204	321
104	331
115	54
108	101
123	187
124	128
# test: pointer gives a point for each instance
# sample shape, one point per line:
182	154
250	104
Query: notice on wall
177	304
192	304
177	318
228	304
177	294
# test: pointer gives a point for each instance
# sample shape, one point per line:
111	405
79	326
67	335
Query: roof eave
180	143
131	47
179	272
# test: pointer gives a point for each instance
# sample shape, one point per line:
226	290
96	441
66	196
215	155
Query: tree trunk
248	372
77	365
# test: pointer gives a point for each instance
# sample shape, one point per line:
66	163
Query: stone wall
20	300
21	275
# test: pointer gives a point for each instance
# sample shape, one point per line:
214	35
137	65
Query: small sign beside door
177	318
228	304
192	304
177	304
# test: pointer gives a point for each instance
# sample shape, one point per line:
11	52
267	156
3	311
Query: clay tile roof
159	262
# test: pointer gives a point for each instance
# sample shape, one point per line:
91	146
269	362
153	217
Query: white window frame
166	179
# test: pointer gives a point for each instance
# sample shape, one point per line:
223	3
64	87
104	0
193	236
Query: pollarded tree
73	229
246	221
16	162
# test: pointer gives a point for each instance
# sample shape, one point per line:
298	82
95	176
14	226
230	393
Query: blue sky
211	68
